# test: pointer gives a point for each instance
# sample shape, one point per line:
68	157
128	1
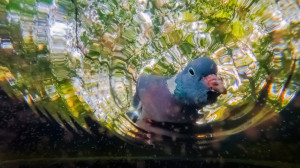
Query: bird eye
191	71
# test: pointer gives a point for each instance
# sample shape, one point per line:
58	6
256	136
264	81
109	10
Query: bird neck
171	84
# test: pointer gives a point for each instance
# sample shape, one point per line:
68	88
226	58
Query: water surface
75	60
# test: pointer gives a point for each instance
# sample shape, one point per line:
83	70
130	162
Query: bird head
198	84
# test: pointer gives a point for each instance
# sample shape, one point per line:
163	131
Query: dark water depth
29	139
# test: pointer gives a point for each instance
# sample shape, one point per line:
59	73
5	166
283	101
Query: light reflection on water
84	59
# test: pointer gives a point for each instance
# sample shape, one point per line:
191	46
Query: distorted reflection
134	66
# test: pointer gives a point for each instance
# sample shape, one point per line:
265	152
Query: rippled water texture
81	58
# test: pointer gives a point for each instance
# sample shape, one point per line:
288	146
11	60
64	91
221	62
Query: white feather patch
172	84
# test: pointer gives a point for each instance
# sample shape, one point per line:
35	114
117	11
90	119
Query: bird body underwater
177	99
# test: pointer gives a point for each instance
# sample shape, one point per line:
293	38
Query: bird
178	98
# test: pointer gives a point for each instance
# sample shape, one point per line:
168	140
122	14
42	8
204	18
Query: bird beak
215	83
